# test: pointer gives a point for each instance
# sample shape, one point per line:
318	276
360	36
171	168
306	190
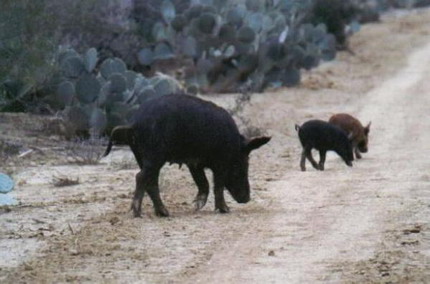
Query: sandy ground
363	224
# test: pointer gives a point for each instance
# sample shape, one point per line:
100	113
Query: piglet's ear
367	128
256	143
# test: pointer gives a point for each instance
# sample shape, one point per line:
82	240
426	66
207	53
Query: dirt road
368	223
323	220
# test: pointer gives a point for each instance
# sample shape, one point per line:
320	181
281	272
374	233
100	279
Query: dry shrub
7	150
64	181
247	128
86	151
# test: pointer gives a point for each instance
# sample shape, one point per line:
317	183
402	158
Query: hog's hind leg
148	181
136	204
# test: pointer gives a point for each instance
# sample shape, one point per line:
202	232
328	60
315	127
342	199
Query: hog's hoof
200	202
136	209
321	167
162	212
136	212
223	209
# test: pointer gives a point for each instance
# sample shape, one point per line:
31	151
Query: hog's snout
363	150
244	199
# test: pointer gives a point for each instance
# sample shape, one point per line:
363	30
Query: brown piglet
359	133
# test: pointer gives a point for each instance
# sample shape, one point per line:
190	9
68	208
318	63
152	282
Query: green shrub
26	48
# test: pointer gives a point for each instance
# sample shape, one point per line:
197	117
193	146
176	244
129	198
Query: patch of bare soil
368	223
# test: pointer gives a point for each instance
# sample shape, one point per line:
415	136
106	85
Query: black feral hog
323	136
187	130
351	125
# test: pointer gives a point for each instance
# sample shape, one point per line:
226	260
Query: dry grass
86	152
64	181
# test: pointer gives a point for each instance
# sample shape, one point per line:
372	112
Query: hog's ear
256	143
367	128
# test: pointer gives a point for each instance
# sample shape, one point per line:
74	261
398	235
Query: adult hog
360	134
187	130
323	136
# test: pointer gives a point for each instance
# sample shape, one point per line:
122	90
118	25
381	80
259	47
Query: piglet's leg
322	160
311	159
303	161
357	153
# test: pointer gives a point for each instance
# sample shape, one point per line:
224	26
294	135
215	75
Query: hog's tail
119	134
109	147
297	127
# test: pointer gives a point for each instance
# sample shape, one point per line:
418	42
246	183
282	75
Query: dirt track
368	223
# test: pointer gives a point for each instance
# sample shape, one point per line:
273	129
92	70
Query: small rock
122	195
6	209
70	160
410	243
114	220
27	267
415	230
73	252
271	253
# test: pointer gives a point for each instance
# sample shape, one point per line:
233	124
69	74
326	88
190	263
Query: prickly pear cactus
87	89
146	56
111	66
96	100
220	36
90	59
65	93
73	66
226	45
118	83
